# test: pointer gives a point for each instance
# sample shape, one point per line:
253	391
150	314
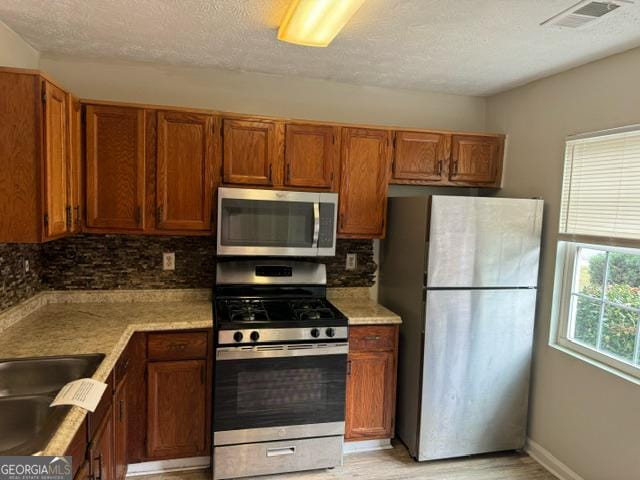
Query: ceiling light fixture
315	23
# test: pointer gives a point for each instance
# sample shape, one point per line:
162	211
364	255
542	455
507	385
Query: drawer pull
372	337
277	452
178	346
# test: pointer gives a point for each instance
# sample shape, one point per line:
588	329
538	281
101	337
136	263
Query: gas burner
315	314
247	311
307	304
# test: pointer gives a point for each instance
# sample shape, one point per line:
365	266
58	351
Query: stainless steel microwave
276	222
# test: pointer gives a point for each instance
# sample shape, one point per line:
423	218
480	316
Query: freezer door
477	356
484	242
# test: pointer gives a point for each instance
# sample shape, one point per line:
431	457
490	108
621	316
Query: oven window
295	389
262	223
268	392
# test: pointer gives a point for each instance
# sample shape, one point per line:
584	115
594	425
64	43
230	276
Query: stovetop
247	313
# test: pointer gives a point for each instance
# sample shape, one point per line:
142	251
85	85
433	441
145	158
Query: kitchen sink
27	388
44	375
27	423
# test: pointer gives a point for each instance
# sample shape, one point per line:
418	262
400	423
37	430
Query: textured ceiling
475	47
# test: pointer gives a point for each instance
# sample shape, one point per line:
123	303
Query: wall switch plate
352	261
27	267
169	261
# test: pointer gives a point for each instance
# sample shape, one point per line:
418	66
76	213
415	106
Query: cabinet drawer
372	338
177	346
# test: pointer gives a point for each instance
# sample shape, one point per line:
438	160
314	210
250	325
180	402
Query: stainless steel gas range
281	360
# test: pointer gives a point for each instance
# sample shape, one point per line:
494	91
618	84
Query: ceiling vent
585	12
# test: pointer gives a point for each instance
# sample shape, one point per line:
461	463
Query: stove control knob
238	336
315	333
255	336
331	332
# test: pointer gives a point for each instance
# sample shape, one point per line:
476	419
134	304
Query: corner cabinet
371	382
115	168
476	160
365	164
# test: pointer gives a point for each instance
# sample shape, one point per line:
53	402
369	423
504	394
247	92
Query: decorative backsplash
16	284
97	262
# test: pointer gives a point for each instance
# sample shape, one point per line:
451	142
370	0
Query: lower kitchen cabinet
176	413
101	450
120	415
371	382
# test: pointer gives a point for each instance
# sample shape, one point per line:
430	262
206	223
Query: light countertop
359	308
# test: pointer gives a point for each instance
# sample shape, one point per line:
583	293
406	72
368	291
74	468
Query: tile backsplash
16	283
96	262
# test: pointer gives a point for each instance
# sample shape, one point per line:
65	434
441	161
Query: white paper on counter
85	393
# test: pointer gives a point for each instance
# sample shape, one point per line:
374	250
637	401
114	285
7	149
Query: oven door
272	222
275	392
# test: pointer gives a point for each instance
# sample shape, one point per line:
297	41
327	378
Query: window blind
601	186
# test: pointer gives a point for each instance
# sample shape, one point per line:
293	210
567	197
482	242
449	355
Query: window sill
602	366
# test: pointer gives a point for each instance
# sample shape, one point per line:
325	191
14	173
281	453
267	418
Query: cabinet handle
177	346
288	172
372	337
439	168
121	412
454	170
77	214
159	215
99	459
270	172
342	220
68	217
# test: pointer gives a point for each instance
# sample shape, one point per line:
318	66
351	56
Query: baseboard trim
548	461
164	466
367	445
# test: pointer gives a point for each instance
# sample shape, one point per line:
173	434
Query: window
599	248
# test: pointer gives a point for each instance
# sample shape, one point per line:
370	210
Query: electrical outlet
169	261
27	267
352	261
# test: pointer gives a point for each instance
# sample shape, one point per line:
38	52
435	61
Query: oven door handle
275	351
316	224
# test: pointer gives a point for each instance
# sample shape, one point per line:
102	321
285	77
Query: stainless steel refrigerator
462	272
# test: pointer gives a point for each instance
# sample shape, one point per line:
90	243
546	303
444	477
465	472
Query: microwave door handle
316	224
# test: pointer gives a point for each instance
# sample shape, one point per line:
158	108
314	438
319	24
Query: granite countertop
359	308
73	323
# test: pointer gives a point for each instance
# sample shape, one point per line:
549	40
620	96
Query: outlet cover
352	261
27	267
169	261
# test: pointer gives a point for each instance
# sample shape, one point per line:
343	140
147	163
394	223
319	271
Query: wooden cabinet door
370	395
476	160
419	156
101	452
120	416
249	152
176	416
365	169
184	171
55	162
115	170
75	162
310	156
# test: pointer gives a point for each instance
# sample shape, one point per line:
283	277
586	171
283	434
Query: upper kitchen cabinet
476	160
250	152
115	168
420	157
34	147
311	156
184	173
366	166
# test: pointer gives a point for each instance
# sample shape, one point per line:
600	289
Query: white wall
253	93
587	418
14	51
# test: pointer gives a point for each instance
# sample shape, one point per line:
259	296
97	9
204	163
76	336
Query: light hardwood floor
395	464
